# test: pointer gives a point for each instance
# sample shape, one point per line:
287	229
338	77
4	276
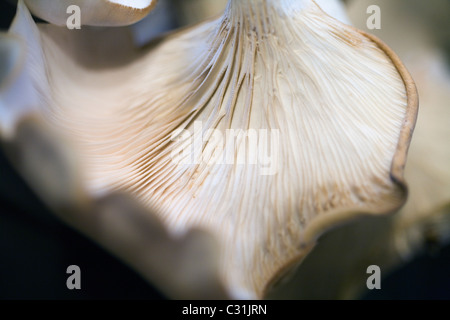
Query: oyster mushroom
340	101
428	172
418	33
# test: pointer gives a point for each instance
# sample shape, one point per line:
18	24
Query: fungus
95	12
422	225
332	105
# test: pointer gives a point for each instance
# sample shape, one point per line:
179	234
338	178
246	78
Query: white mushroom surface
92	12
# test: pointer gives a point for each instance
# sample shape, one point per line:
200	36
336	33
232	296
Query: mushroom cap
11	54
331	107
14	80
92	12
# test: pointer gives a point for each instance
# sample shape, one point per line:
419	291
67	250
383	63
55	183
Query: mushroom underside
264	129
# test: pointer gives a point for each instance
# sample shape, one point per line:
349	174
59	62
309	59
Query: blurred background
36	248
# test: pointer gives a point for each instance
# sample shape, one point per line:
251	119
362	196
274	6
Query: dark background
36	249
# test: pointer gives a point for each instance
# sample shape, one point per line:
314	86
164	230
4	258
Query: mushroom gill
424	218
319	115
418	33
